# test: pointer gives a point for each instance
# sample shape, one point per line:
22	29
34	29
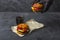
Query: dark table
24	6
51	31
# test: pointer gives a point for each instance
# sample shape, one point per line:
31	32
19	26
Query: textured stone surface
51	31
24	6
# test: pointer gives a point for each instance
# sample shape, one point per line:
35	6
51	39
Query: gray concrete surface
51	31
24	6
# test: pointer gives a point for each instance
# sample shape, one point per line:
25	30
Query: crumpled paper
32	26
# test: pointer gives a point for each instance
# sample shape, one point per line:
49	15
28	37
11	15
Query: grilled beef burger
22	28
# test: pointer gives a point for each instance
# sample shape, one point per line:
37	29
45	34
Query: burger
36	7
22	28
